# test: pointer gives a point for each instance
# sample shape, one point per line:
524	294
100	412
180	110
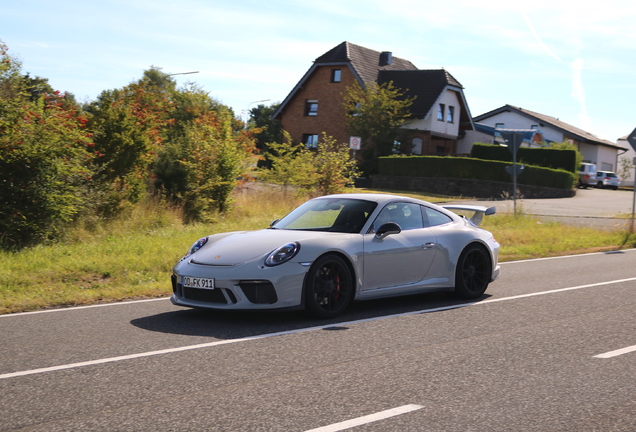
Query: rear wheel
473	272
329	287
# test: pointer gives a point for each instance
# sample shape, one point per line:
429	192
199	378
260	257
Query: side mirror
388	229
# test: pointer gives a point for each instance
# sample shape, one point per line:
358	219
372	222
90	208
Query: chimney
386	58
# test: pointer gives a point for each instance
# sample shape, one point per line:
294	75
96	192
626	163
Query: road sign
631	139
513	140
354	142
514	169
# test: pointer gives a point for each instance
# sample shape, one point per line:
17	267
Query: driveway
589	207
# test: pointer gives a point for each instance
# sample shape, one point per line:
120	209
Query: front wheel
473	272
329	287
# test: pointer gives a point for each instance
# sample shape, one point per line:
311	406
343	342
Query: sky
573	60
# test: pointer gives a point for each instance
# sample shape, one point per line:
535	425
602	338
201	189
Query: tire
473	272
599	185
329	287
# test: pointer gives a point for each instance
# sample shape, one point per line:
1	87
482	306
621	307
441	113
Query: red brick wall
331	117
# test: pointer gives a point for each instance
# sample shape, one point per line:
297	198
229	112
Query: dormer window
336	75
311	107
440	112
450	118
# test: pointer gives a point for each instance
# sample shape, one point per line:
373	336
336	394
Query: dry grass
132	257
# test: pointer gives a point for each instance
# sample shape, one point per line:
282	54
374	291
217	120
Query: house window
335	75
310	140
440	112
451	114
311	107
416	146
499	125
534	127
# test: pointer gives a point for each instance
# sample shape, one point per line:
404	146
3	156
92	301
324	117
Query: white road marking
567	256
84	307
616	352
306	329
367	419
69	309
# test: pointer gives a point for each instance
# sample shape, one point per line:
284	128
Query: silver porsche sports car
336	249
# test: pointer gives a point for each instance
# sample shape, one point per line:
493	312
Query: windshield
343	215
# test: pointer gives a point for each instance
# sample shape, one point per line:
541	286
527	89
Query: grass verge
132	257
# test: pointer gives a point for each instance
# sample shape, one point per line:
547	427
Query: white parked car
587	175
336	249
607	179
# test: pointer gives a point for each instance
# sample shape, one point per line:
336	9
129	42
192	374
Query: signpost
354	144
631	139
514	140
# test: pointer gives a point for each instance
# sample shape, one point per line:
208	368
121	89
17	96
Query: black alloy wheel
329	287
473	272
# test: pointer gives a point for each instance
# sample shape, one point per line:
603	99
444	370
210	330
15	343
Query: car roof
376	197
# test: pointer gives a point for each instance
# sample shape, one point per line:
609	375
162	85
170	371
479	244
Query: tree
328	170
334	166
203	155
625	168
377	114
290	165
270	128
45	160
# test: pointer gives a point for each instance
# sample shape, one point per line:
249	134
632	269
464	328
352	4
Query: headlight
196	246
282	254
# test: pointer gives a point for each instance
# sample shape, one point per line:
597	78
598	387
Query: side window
408	216
311	107
440	112
310	140
450	118
434	218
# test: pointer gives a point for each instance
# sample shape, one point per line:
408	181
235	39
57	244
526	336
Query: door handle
428	245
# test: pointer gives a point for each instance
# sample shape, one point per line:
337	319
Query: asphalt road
551	347
592	207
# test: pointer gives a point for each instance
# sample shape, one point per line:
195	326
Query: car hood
243	246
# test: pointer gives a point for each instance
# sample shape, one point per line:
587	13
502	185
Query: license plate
194	282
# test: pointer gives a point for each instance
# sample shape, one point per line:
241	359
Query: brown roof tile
365	61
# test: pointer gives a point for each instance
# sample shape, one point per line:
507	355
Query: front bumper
240	287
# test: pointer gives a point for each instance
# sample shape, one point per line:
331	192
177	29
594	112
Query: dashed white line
335	427
617	352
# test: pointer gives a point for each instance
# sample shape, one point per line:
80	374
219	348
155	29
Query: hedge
475	169
542	157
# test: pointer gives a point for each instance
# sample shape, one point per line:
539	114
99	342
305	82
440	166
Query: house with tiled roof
603	153
315	104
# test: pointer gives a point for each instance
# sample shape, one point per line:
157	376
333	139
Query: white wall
465	144
512	120
599	155
430	122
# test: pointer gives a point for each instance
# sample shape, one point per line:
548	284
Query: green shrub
475	169
555	158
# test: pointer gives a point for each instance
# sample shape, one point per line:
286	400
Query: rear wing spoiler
479	211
